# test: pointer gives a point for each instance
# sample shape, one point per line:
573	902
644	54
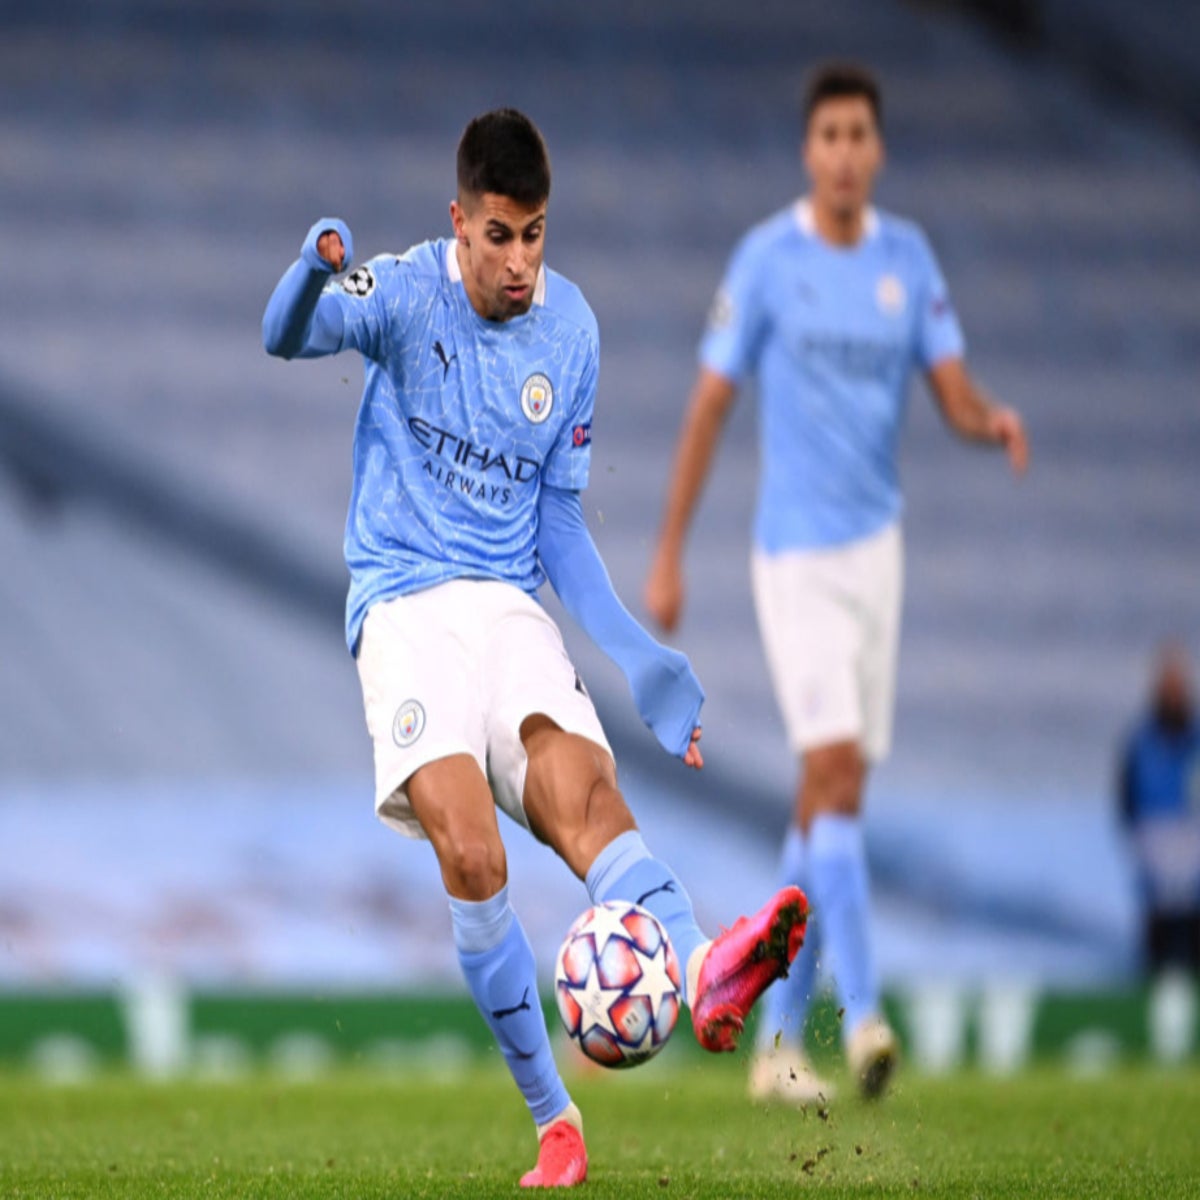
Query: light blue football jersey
461	422
833	335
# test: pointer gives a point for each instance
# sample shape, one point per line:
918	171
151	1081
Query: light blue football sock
499	966
626	870
785	1005
837	866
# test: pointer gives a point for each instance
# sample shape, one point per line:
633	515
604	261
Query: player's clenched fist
330	248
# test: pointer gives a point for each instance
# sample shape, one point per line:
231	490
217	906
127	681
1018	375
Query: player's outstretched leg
562	1157
739	965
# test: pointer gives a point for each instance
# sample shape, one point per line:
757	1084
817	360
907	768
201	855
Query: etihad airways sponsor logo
464	453
478	472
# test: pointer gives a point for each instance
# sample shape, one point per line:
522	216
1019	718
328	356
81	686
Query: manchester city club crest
408	723
537	398
890	295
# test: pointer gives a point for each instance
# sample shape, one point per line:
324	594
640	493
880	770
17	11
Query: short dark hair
502	152
833	80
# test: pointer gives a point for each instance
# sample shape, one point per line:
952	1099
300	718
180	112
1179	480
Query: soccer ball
616	983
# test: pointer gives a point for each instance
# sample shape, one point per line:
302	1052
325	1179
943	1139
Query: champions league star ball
616	983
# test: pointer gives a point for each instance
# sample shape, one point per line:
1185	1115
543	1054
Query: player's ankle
570	1114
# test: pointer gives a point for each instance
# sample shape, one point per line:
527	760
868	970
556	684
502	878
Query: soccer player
832	304
471	449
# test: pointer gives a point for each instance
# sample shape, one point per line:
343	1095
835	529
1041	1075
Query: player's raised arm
298	322
712	397
665	690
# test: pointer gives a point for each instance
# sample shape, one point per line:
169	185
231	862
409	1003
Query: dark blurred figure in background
1159	794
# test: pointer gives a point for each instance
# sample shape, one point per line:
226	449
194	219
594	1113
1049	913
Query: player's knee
473	866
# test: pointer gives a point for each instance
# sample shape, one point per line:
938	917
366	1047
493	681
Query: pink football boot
562	1158
741	962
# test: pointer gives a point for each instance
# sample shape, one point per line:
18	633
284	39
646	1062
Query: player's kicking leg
737	967
725	976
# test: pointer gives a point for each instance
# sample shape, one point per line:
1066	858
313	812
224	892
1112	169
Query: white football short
830	625
455	669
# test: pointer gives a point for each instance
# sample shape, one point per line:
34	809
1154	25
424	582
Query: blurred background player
472	445
1159	798
832	304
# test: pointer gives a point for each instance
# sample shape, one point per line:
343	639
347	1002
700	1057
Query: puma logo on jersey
440	351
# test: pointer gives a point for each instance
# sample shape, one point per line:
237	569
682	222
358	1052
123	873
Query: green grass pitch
686	1133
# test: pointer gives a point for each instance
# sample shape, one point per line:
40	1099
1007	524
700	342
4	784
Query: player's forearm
965	407
693	458
289	327
971	418
667	694
579	577
295	323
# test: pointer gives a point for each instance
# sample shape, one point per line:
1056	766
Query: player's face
843	152
500	249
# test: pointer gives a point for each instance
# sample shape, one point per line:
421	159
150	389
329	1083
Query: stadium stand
170	514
